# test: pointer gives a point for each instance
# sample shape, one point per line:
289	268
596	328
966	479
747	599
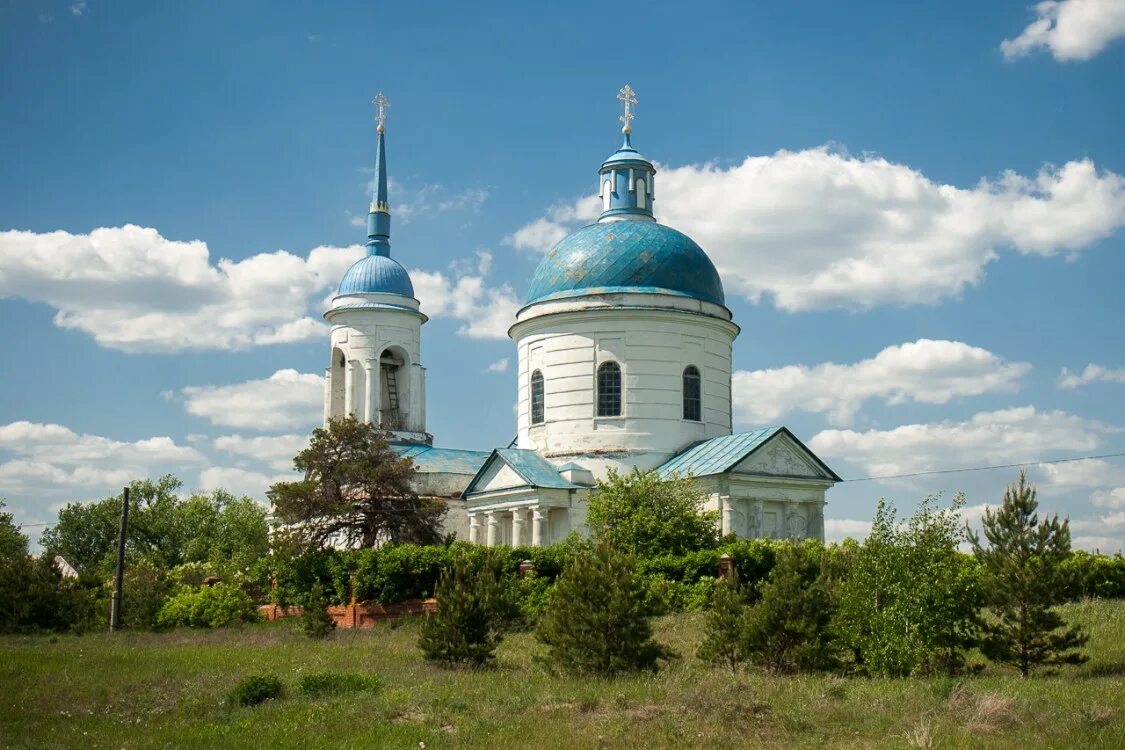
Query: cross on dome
628	97
382	104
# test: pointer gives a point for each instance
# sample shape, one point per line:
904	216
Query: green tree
596	622
315	620
645	515
787	628
356	490
723	628
474	609
13	542
1024	580
910	602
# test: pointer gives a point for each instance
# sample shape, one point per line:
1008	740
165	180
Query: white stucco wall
652	338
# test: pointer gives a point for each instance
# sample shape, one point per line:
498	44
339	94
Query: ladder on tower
392	389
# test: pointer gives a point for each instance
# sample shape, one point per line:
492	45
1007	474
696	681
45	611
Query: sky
917	209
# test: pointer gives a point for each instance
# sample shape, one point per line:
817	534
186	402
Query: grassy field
169	690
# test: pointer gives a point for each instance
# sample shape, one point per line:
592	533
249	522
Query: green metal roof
720	455
430	460
532	468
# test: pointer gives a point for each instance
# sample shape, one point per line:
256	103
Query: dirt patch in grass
982	712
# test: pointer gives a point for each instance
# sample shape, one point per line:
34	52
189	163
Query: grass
146	690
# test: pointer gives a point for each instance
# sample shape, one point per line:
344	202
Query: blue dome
376	274
626	256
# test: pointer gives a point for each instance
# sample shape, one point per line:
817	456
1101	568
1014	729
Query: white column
493	528
474	528
519	519
728	516
371	370
537	518
349	388
327	394
417	415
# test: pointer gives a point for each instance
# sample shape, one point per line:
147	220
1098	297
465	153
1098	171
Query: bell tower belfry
375	371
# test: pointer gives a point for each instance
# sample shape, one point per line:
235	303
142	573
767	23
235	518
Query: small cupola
625	179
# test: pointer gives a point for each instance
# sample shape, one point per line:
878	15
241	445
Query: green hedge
395	573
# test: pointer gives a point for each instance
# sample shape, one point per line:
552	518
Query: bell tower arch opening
394	386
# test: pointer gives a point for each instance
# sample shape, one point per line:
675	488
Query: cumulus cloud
276	450
285	400
1070	29
988	438
1111	498
839	529
134	290
1091	374
821	228
925	371
462	294
240	482
500	365
48	458
1092	472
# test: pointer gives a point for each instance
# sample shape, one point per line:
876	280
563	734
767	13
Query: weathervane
381	103
629	98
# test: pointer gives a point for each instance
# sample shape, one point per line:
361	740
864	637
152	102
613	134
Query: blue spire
379	216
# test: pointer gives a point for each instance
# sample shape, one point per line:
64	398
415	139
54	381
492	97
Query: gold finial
629	98
381	105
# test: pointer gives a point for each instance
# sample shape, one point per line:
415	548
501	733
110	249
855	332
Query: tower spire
379	216
625	178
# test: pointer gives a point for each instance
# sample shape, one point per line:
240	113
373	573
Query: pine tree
787	628
722	632
474	609
1024	580
597	622
315	620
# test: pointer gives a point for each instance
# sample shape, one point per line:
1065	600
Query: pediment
781	457
498	475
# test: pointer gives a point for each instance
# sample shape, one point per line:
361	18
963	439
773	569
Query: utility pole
118	579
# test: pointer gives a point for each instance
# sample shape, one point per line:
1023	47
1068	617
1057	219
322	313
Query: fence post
119	575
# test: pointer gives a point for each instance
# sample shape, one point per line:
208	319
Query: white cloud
1110	498
285	400
78	8
240	482
486	312
276	450
1093	472
987	439
134	290
1070	29
51	458
839	529
926	371
820	228
1091	374
1103	544
500	365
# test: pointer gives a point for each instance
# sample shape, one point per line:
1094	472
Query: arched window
609	389
642	193
537	397
607	194
693	402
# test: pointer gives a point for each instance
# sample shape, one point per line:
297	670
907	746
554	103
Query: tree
596	622
474	609
787	628
645	515
910	602
722	631
1024	579
356	491
315	620
13	542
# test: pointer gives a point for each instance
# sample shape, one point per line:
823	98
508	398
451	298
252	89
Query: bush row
397	573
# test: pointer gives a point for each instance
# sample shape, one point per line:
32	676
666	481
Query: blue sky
918	211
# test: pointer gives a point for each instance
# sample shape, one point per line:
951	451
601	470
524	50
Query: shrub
322	684
531	595
208	607
722	631
145	589
315	620
787	628
474	609
644	514
256	689
597	622
662	596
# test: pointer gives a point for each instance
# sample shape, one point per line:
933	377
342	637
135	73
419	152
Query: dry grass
168	690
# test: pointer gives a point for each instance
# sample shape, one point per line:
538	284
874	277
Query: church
624	347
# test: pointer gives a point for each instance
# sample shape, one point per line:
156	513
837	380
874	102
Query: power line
984	468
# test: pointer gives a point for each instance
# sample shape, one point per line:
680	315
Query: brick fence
358	614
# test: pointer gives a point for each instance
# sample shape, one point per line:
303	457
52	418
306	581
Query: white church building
624	347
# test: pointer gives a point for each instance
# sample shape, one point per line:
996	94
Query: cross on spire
381	105
629	98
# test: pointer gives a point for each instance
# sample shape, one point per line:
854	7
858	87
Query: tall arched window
642	193
537	397
607	195
609	389
693	402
